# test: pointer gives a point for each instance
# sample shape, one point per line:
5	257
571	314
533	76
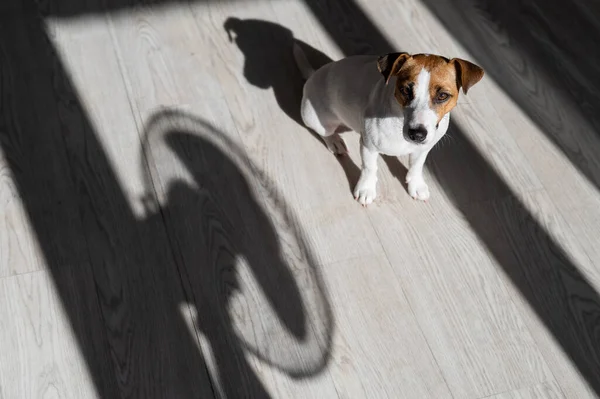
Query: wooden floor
168	229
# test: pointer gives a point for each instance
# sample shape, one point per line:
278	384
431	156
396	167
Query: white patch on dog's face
421	89
419	114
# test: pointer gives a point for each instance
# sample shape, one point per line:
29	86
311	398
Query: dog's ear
390	64
467	73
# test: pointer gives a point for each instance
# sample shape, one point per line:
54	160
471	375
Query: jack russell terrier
406	117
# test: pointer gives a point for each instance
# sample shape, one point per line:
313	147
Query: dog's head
426	87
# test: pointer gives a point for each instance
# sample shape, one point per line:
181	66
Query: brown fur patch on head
389	64
467	73
446	79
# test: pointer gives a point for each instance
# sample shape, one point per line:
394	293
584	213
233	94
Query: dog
399	103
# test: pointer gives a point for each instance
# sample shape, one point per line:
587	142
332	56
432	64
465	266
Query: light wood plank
340	232
41	354
547	272
474	329
164	58
19	252
549	390
379	350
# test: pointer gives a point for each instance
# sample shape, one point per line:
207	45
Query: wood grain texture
475	332
554	128
33	160
380	350
46	222
41	357
549	390
155	354
236	291
19	252
241	279
197	241
540	251
527	49
536	261
86	51
259	301
163	56
263	87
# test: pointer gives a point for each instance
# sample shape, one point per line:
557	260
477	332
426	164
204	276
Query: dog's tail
303	65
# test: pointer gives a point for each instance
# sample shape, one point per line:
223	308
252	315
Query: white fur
422	89
352	93
422	112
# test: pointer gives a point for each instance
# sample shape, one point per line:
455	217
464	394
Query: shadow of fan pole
561	296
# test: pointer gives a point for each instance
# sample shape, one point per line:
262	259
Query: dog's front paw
365	190
418	189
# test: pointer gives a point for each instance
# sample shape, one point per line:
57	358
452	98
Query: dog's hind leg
335	143
326	126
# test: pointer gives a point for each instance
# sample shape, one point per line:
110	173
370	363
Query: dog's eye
405	90
441	97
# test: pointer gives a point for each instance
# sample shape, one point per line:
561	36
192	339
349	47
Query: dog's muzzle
417	134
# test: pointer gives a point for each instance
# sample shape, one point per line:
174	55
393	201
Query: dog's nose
417	134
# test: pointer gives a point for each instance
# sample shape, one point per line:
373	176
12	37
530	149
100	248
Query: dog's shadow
269	63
